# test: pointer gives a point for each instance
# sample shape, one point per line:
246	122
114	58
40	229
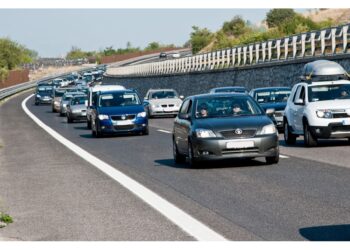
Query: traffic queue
226	123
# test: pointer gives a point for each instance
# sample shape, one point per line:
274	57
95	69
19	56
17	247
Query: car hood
332	104
64	102
165	101
277	106
121	110
228	123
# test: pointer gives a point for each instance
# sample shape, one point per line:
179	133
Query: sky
52	32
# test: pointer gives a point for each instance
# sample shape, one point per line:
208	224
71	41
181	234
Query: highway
304	197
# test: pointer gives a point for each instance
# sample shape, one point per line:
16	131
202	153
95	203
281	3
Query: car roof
271	88
118	91
155	90
107	88
324	83
202	96
230	87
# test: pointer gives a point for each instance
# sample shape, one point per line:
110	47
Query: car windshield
328	92
229	106
67	97
88	78
163	94
119	99
79	100
272	96
228	90
59	93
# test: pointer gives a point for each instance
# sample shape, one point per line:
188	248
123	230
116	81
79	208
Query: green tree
12	55
277	16
200	38
236	27
153	46
75	53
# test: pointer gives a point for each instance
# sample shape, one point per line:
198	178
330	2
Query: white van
92	92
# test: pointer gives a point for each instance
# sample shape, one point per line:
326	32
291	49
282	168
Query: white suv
319	106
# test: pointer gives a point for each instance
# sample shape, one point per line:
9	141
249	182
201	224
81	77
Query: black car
162	55
231	89
273	98
223	126
43	94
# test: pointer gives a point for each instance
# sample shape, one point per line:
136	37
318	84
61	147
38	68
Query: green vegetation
77	53
280	23
6	218
12	55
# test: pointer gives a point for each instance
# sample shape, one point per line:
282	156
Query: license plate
240	144
126	122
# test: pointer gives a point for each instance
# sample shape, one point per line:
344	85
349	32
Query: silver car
66	100
160	102
76	109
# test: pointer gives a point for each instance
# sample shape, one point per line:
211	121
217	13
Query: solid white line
284	156
180	218
164	131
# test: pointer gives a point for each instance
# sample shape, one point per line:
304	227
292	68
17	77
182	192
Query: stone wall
263	75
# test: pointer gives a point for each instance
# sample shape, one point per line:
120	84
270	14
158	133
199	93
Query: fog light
318	131
143	125
205	153
103	127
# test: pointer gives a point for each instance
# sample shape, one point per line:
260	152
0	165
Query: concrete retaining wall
263	75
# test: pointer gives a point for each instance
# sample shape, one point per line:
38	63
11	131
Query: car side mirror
299	102
270	112
182	97
184	116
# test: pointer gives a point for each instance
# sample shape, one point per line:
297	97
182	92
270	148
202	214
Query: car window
118	99
302	93
218	106
328	92
296	94
184	107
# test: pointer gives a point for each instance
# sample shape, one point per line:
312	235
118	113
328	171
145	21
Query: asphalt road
304	197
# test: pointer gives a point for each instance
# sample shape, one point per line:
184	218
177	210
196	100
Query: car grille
340	115
167	105
340	128
124	127
237	151
119	117
279	113
246	133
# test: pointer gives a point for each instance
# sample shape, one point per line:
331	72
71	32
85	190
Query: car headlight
156	106
204	133
268	129
142	114
57	102
39	96
324	114
103	117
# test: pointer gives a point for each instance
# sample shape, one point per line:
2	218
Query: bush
235	27
200	38
277	16
6	218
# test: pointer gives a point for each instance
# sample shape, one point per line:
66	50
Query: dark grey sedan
223	126
76	109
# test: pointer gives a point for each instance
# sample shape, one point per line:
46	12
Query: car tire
272	159
309	139
53	110
69	120
36	103
289	138
191	160
88	124
95	132
145	131
178	158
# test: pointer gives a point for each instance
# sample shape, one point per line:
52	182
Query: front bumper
78	115
43	101
333	130
216	148
164	111
137	125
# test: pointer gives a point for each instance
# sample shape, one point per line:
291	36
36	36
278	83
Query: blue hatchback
118	112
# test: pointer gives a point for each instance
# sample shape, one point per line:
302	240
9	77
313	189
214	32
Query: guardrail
331	41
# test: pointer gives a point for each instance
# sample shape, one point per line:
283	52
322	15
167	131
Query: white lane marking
179	217
284	156
164	131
